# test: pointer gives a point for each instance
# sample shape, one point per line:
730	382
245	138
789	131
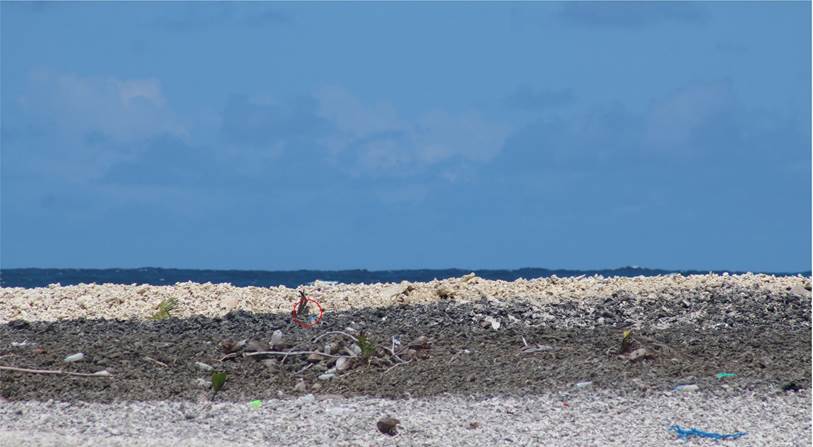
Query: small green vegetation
367	347
626	342
164	308
218	379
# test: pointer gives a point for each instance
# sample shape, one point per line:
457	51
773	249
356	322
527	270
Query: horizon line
626	267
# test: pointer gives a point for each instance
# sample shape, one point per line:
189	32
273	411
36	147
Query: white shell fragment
277	338
203	367
342	364
75	357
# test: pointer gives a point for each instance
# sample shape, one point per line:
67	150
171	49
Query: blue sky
406	135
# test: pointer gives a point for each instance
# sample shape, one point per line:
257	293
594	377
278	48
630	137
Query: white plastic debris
203	367
583	384
75	357
327	376
691	387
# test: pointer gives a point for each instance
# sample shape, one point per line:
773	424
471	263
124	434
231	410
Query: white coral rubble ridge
118	301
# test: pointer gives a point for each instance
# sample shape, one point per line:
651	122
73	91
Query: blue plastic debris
684	433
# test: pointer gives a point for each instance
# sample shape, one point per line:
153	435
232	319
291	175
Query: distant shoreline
42	277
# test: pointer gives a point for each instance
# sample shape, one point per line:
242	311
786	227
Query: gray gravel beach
583	418
571	362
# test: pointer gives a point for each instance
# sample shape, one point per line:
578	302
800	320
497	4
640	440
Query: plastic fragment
74	357
684	433
686	388
256	403
724	375
203	366
792	386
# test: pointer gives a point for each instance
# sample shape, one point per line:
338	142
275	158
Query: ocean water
31	277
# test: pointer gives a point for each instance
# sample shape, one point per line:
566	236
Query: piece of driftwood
102	373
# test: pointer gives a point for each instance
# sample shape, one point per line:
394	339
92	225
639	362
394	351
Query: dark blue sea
34	277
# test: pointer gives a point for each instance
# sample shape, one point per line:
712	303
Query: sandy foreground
463	361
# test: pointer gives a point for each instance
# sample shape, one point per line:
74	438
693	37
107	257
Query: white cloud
123	110
674	121
381	141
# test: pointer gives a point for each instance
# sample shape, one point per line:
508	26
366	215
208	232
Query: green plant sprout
367	347
218	379
164	308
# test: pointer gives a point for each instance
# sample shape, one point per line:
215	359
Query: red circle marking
303	324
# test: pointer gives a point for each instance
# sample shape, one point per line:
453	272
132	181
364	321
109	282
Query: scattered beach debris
684	433
443	292
315	357
473	425
791	386
388	425
256	346
164	308
723	375
230	346
302	306
343	363
469	277
277	339
75	357
256	404
421	342
583	384
686	388
354	350
157	362
203	366
638	354
530	349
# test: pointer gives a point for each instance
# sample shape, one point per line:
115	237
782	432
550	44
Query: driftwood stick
102	373
392	353
158	362
286	354
305	368
229	356
393	366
